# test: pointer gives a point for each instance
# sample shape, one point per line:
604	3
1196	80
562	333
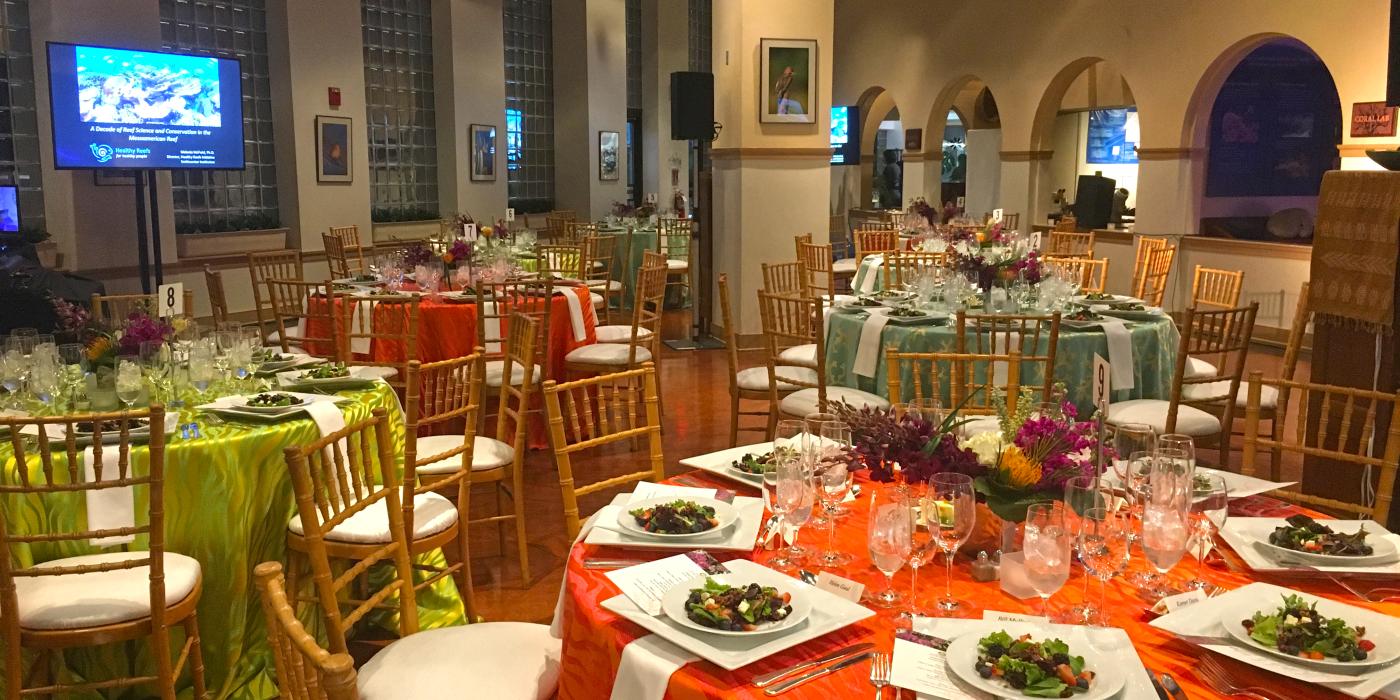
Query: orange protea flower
447	258
98	347
1020	470
485	231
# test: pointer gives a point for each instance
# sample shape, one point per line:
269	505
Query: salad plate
237	406
138	429
673	518
328	377
1035	652
1099	299
1131	312
914	317
746	598
1312	632
272	362
1250	538
723	463
1302	538
738	537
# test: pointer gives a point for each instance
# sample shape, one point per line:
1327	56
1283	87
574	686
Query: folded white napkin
576	314
360	345
494	334
1002	344
872	266
328	419
1120	353
108	508
646	667
868	349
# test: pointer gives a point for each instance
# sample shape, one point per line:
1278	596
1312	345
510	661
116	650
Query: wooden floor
696	420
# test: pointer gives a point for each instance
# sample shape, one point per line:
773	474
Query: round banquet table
593	637
228	498
1154	356
626	263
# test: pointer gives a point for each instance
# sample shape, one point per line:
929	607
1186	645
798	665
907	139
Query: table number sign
1101	385
469	231
1035	240
170	299
510	214
997	215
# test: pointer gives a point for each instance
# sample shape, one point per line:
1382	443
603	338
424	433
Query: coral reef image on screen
135	87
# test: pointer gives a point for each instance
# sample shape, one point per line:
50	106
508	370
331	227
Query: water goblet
129	380
1105	546
1166	515
950	509
793	497
888	541
1210	506
1047	551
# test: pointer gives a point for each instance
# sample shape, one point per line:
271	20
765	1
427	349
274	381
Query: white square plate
722	463
1236	485
829	613
740	537
359	378
1242	533
232	406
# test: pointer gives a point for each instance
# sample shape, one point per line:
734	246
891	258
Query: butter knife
823	671
768	679
1172	687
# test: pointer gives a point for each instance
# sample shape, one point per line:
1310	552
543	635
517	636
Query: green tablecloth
1154	357
228	497
626	263
870	275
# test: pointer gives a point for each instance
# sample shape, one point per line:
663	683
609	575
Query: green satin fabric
228	497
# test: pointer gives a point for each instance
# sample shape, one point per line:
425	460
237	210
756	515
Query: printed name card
647	489
1002	616
645	584
1173	603
840	587
920	664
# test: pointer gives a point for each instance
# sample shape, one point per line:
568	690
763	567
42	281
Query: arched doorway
1086	126
968	167
1267	118
881	145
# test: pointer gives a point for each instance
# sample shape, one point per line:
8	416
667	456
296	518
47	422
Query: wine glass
921	547
888	540
1047	551
129	380
1166	515
1136	470
1105	546
793	498
13	368
1210	506
1129	439
1082	494
832	481
950	509
817	449
1178	441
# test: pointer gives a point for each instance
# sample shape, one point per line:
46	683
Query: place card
920	664
647	489
1003	616
645	584
840	587
1173	603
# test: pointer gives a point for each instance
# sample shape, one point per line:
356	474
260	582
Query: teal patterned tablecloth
870	275
1154	357
627	262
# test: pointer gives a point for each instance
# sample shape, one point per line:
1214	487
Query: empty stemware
888	535
1047	551
951	513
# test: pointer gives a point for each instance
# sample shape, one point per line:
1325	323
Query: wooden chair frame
785	278
961	370
648	305
274	265
737	394
875	240
562	261
673	240
816	260
344	252
600	251
902	266
1153	287
1226	333
1145	245
113	308
1092	273
305	671
998	334
291	304
789	321
1067	244
391	320
218	300
1213	288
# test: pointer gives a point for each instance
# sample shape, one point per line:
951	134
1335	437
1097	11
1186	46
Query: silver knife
825	670
1172	687
768	679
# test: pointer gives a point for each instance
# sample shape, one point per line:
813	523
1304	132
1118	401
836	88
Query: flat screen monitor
134	109
845	135
9	208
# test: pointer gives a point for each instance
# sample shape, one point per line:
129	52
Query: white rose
987	447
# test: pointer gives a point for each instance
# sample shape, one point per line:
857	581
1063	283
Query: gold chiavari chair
752	384
298	306
875	240
902	266
1066	244
1213	288
1035	338
1199	406
784	278
349	253
92	599
561	261
1153	288
673	241
643	342
601	276
218	300
495	302
576	231
817	270
800	239
1145	245
1068	223
1090	273
274	265
973	379
388	321
1269	396
113	308
1011	222
1333	424
591	413
556	224
305	671
791	324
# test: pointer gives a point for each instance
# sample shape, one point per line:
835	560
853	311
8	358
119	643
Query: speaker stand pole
143	258
155	229
702	283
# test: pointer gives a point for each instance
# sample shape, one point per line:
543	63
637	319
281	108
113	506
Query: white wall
470	90
983	175
590	96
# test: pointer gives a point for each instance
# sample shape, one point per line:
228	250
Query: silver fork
879	673
1367	596
1221	679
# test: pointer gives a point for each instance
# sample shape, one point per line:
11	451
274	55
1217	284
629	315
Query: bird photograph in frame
789	81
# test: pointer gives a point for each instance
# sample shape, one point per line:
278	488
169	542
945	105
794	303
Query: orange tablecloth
594	637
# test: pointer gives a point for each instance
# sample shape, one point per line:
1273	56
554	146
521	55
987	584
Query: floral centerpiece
993	255
634	215
459	251
882	439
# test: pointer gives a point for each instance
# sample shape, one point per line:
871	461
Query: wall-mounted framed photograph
609	163
333	157
789	72
483	152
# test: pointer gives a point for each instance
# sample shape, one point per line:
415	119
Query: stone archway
969	97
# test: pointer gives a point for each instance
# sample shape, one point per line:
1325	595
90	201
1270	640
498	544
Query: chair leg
463	574
500	525
734	419
293	581
191	625
517	505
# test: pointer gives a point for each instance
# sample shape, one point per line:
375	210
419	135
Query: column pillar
1167	188
468	37
771	181
913	171
590	96
665	49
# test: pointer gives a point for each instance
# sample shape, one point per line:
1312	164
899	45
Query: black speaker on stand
693	119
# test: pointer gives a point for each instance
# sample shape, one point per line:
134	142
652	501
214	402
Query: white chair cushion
610	285
498	660
619	334
1189	419
674	265
804	402
846	266
597	299
1196	368
1268	396
756	378
496	368
1209	391
431	514
800	354
487	453
606	354
71	601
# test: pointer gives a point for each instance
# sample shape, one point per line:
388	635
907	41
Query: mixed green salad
1037	669
679	517
87	427
1303	534
736	608
330	371
1081	315
1127	306
1099	296
759	463
274	400
1296	628
907	312
866	301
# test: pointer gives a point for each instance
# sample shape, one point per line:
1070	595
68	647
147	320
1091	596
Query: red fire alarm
333	96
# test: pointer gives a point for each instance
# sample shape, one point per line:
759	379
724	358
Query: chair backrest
1153	287
1066	244
788	321
798	240
599	251
273	265
440	395
576	231
817	268
1302	316
1333	424
305	671
298	307
785	278
1225	333
334	478
875	240
972	379
1067	222
218	300
1035	338
556	224
648	306
673	238
114	308
522	350
388	324
1212	288
344	252
902	266
1011	222
1090	273
731	335
598	411
497	301
565	261
1145	245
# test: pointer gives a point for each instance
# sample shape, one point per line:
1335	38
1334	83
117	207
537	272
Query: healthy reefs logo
102	152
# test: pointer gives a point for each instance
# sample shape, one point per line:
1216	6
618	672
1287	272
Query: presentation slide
127	109
9	208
